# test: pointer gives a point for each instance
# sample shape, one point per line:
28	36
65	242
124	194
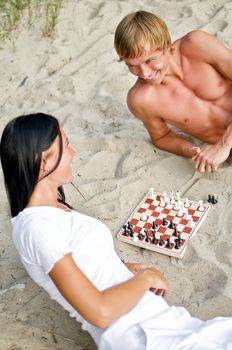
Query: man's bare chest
184	103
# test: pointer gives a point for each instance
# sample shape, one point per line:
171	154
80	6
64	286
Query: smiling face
63	172
150	66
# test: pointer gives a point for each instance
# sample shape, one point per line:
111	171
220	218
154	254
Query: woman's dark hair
22	143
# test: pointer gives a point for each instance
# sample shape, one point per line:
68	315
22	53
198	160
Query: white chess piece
165	197
143	217
190	222
135	239
180	212
152	196
172	200
201	207
162	203
168	205
187	216
184	210
186	203
176	206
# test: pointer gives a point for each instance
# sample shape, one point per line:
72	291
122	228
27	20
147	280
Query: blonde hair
137	29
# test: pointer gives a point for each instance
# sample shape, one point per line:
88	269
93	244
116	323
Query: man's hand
210	157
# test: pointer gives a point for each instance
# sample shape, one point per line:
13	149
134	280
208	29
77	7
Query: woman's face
63	173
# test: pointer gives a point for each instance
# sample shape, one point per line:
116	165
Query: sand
77	78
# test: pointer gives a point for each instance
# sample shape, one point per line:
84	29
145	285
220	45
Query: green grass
12	12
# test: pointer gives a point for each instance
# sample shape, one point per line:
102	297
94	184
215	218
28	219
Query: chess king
186	84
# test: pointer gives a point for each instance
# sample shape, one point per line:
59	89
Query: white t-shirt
43	235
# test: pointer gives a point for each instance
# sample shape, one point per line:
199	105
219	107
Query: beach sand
77	77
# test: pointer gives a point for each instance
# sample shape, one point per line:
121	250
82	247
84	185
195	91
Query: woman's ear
44	167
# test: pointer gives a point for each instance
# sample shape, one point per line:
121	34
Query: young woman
72	256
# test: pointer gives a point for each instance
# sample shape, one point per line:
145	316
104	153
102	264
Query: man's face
151	66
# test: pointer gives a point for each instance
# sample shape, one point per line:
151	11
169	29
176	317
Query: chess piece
176	206
190	222
165	222
186	216
172	200
214	200
143	217
169	244
154	226
168	205
162	203
186	203
161	242
152	195
200	207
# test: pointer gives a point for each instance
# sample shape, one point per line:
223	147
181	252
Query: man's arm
206	47
211	156
142	105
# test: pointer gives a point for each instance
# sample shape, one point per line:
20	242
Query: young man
187	84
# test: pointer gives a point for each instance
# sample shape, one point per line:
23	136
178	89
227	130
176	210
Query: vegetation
13	12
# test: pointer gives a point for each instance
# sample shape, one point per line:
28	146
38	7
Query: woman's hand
136	267
159	286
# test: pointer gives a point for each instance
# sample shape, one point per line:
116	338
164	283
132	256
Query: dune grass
13	12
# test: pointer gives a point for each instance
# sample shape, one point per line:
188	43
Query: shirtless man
187	84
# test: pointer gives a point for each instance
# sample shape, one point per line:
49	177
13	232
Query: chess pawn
190	222
201	207
180	212
152	196
168	205
172	200
184	210
186	203
165	197
162	203
187	216
176	206
143	217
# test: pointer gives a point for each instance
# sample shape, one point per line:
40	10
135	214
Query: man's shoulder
141	93
194	42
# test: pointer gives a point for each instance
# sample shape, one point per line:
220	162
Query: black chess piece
125	232
154	226
154	239
213	200
140	236
177	245
129	225
175	233
169	244
147	239
165	222
171	224
161	242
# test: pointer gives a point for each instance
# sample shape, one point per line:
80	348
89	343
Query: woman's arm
101	308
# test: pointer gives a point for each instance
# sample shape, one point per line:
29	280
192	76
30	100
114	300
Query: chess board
169	239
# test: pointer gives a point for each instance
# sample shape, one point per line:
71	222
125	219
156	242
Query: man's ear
171	50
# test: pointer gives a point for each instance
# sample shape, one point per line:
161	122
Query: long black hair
22	143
